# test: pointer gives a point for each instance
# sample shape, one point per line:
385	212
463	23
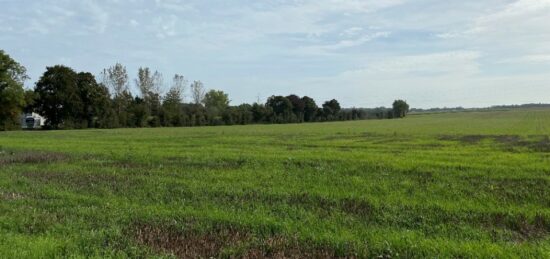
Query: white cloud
431	52
165	26
134	23
100	16
350	32
538	58
453	62
342	44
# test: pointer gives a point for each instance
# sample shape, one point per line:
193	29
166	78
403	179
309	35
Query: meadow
469	184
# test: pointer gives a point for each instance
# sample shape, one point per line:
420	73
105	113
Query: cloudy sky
364	53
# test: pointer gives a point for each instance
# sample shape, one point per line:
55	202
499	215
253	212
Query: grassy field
472	184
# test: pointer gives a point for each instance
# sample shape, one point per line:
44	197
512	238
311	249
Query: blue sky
364	53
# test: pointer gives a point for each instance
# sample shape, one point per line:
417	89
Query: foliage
331	109
400	109
59	97
12	95
76	100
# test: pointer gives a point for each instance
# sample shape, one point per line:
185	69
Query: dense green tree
139	114
12	95
30	101
331	109
298	106
59	97
216	104
244	113
95	100
310	109
281	106
400	109
260	113
216	101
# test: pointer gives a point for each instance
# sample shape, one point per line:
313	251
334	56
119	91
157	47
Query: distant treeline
495	107
70	99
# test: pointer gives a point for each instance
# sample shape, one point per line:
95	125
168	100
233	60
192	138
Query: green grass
472	184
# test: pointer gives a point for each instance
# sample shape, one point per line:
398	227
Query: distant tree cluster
74	100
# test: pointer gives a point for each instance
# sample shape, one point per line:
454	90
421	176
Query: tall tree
144	82
310	108
95	100
115	78
400	109
298	106
331	109
197	92
214	99
216	104
281	106
260	113
178	86
150	85
12	95
172	105
59	98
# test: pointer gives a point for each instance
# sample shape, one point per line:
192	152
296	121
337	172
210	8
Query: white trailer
32	121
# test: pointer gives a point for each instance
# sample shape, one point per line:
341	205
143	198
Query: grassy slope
460	184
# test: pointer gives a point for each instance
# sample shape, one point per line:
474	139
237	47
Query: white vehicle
32	121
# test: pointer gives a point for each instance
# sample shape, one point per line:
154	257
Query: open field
473	184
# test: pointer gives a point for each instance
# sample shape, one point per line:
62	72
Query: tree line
75	100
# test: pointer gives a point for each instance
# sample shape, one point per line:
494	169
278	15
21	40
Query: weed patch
508	142
30	157
223	242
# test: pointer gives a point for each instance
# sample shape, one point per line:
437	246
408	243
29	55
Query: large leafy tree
331	108
400	109
95	100
310	108
115	78
12	95
298	106
281	106
260	113
216	104
215	99
59	97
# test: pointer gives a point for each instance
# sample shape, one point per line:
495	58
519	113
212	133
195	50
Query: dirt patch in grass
30	157
322	205
347	205
467	139
186	244
534	143
222	242
537	143
523	228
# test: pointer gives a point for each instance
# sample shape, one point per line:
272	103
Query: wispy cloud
431	52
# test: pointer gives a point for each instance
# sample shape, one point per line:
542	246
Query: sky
364	53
